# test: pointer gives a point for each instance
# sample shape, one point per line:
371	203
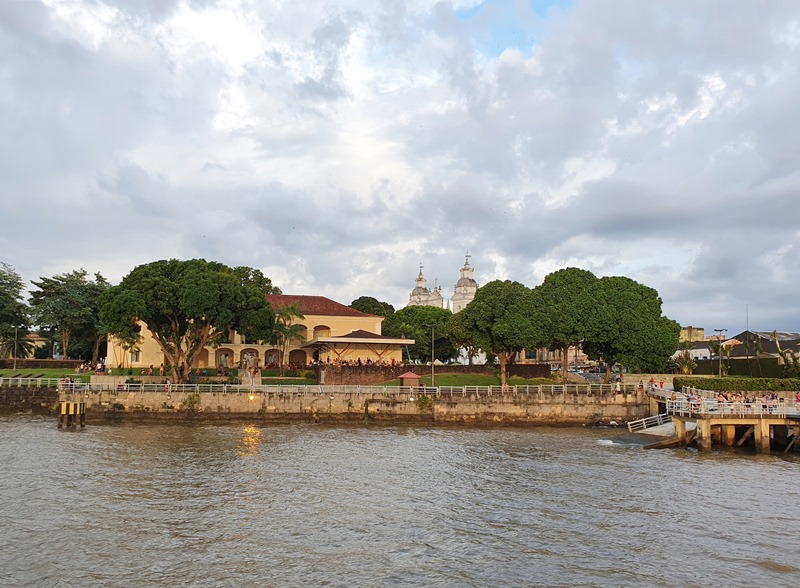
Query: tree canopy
566	311
186	305
249	276
14	319
628	326
372	305
499	320
69	304
414	322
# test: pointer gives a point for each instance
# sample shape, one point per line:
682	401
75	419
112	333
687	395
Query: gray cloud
338	146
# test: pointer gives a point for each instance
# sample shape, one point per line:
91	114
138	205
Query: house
330	332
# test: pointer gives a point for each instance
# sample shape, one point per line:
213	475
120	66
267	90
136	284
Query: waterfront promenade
547	404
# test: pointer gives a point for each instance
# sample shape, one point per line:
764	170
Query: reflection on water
251	439
201	505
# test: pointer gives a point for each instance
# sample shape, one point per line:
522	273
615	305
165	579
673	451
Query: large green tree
628	326
69	303
249	276
566	309
423	323
500	321
372	305
186	305
461	336
14	319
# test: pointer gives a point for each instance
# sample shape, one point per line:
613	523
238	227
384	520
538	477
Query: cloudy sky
338	144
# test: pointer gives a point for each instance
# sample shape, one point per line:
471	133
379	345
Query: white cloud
336	145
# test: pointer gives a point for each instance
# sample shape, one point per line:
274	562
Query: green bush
767	367
738	384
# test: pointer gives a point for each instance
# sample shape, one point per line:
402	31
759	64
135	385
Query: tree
416	322
69	303
566	310
249	276
500	320
461	337
287	331
628	327
14	319
371	305
186	305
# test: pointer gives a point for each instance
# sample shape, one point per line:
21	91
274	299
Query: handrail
704	406
67	386
651	421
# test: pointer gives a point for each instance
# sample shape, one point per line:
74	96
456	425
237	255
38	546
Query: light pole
16	330
719	348
433	355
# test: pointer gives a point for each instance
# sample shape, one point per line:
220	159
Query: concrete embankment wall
332	406
37	400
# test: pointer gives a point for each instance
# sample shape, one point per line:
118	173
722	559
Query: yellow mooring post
72	412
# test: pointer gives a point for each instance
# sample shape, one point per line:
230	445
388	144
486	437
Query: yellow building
331	332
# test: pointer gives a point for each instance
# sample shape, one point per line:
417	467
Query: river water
311	505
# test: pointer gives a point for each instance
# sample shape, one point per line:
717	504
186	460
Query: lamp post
719	348
16	330
433	355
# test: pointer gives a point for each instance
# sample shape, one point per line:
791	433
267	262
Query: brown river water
313	505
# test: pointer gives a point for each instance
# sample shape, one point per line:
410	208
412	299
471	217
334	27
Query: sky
337	145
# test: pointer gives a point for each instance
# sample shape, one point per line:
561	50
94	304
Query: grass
43	373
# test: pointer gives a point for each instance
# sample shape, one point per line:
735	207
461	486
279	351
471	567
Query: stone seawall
406	405
37	400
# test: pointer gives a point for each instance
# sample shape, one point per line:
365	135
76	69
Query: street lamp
433	355
16	329
719	341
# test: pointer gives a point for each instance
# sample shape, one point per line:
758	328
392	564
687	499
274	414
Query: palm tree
287	331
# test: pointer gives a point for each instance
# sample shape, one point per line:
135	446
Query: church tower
465	288
421	296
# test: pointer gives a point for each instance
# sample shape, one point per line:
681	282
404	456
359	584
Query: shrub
738	384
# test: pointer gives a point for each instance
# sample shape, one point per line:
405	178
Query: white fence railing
446	391
651	421
706	407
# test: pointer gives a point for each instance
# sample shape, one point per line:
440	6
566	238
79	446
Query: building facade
331	333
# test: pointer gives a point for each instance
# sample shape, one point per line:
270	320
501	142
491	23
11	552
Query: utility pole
719	342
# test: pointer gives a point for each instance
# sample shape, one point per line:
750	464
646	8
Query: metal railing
651	421
706	407
67	386
29	382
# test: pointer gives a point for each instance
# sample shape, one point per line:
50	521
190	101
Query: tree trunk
565	363
65	337
608	373
503	357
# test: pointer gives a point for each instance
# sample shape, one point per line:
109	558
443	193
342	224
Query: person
161	370
661	384
619	386
641	385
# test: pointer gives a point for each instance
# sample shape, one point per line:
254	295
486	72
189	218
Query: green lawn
42	373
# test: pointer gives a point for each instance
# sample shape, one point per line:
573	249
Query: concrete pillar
762	436
704	435
680	428
728	434
780	436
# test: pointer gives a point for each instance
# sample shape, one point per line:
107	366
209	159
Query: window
135	356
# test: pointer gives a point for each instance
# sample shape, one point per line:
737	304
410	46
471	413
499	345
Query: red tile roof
362	334
314	305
